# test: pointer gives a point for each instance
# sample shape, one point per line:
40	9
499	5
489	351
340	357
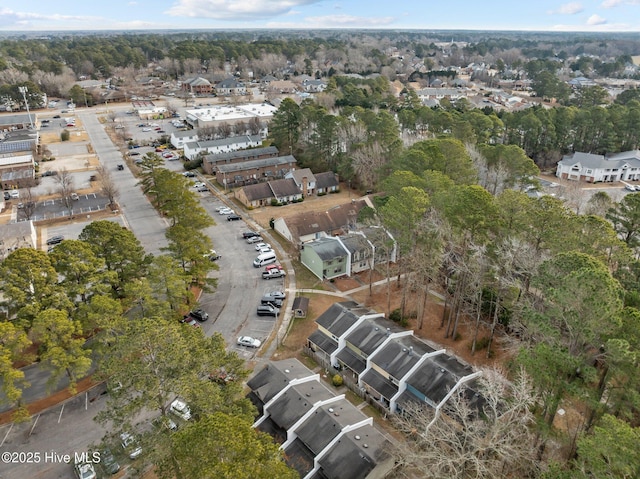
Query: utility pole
23	90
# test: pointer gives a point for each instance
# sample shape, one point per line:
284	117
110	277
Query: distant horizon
544	16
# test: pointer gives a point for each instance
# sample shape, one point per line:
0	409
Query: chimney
388	331
305	183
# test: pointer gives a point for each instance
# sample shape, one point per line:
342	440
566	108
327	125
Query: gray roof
326	422
296	401
326	179
400	355
259	191
185	133
437	376
327	248
355	454
590	160
253	164
380	383
242	154
298	175
17	119
324	342
355	242
371	333
335	218
197	81
341	316
271	379
284	187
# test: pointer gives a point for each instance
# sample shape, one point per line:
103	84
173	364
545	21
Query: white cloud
567	9
11	18
615	3
337	21
596	20
235	9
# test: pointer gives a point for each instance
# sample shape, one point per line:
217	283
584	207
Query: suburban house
194	148
230	86
253	171
17	235
281	86
593	168
344	255
262	194
210	162
197	86
305	180
326	258
387	365
451	94
314	86
310	225
181	138
322	435
327	182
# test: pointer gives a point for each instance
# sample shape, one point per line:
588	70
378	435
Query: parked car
180	409
212	255
249	342
273	274
189	174
130	445
267	310
190	321
50	173
273	266
74	196
54	240
629	187
276	294
84	470
14	194
108	462
120	167
7	195
198	184
250	234
260	246
146	129
199	314
254	239
272	301
233	217
225	211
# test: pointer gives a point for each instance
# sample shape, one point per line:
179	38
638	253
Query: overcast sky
588	15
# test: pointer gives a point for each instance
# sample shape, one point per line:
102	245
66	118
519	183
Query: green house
326	257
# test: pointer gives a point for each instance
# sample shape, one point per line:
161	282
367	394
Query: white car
225	211
630	188
180	409
261	246
85	470
249	342
130	445
146	129
265	249
254	239
198	184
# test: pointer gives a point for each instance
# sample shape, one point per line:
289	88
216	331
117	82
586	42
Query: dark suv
250	234
199	315
272	301
54	240
267	310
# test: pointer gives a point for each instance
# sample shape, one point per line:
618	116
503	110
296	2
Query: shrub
482	343
65	135
395	315
337	380
322	194
274	202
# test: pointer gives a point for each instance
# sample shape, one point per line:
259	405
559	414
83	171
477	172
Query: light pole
23	90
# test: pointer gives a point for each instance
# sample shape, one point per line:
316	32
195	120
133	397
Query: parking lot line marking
34	424
6	435
60	416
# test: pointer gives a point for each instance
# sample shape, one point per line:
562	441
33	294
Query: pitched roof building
593	168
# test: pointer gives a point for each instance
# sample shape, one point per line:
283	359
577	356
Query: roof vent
365	445
404	350
442	370
377	328
357	438
388	331
330	409
410	349
287	371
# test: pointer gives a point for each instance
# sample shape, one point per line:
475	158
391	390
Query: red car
273	266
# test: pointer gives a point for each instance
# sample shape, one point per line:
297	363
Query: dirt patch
56	398
432	329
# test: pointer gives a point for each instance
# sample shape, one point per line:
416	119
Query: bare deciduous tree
107	185
489	438
64	179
